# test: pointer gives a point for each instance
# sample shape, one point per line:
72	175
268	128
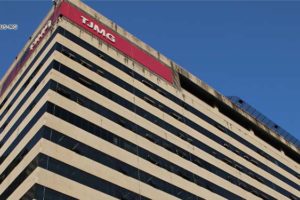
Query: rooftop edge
218	100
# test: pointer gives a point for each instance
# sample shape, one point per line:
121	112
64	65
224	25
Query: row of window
143	153
107	160
179	102
89	84
162	123
61	68
19	121
115	190
108	136
21	136
116	164
161	91
30	91
25	73
74	174
91	181
144	133
86	101
40	192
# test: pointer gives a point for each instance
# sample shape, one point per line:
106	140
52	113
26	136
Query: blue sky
246	49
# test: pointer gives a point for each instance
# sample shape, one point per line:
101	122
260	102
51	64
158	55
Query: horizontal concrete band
124	93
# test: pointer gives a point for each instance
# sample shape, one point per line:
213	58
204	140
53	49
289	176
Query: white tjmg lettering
90	24
99	30
111	37
84	20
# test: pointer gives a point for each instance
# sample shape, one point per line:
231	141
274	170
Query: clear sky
246	49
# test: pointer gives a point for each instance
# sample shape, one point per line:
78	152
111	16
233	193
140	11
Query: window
189	140
292	197
226	145
150	101
123	169
31	105
100	55
254	162
176	116
246	157
85	64
151	138
100	72
68	54
122	122
161	92
36	84
147	83
239	167
79	101
3	102
152	159
84	82
228	161
237	151
27	82
152	182
198	162
259	179
64	92
161	107
220	127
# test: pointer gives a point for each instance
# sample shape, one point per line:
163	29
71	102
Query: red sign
41	35
102	32
11	76
109	36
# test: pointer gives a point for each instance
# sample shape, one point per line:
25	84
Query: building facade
88	111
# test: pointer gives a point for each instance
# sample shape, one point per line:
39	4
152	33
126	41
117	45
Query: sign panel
11	76
117	41
101	31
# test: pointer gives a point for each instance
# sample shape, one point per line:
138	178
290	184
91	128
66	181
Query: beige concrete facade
262	179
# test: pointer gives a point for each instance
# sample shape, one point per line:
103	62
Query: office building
88	111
